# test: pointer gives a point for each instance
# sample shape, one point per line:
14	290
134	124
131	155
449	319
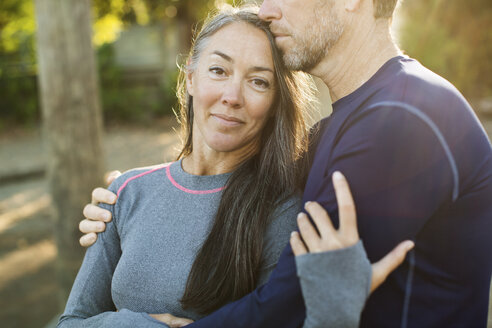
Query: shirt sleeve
400	171
335	286
90	302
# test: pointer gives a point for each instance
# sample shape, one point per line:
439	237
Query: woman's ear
189	77
189	82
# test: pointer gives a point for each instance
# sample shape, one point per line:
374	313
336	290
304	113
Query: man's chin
293	62
288	52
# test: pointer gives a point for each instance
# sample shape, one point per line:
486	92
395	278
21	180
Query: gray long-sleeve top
140	264
335	286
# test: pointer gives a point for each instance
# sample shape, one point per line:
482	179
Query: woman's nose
232	95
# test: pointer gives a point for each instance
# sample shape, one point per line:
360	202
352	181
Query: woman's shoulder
128	187
132	175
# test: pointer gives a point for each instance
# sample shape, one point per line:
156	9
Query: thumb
382	268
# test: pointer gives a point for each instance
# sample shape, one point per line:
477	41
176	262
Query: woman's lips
227	120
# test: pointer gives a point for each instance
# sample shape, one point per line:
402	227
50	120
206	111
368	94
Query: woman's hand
347	235
97	217
172	321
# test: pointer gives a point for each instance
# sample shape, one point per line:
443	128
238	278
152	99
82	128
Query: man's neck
356	58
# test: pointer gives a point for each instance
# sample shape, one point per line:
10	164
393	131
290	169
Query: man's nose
269	11
233	95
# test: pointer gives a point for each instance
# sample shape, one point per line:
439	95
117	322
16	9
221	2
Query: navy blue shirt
420	167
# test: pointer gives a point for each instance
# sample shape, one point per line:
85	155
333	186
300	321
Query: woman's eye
217	71
261	83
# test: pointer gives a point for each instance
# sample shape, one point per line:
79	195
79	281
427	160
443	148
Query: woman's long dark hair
227	266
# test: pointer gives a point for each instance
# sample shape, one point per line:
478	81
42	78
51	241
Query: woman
182	241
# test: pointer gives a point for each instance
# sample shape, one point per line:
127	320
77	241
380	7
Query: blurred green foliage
123	98
452	38
18	91
18	101
128	101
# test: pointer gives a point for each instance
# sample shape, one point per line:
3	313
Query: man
418	162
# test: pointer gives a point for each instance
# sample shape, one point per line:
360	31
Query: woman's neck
209	162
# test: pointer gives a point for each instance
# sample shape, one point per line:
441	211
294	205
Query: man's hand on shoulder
96	217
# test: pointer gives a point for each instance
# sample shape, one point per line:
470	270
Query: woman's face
233	89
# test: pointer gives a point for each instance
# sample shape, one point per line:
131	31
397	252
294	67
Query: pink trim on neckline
189	191
138	176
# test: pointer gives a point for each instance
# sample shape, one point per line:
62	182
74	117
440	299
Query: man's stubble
314	42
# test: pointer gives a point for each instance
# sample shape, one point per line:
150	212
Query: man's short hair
384	8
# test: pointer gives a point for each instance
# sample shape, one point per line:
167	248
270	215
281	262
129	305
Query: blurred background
112	66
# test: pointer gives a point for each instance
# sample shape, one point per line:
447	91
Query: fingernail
307	204
301	218
410	245
337	176
112	198
292	234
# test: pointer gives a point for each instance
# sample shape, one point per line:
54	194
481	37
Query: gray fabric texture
140	264
335	286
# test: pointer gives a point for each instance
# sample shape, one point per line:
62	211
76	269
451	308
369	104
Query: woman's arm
90	303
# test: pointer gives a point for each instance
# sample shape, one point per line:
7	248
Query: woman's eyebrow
260	69
223	55
229	59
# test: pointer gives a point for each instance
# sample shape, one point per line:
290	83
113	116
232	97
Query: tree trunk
72	122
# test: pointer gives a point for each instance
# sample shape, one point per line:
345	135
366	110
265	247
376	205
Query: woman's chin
225	146
227	143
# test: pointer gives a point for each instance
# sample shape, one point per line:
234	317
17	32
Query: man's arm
401	171
398	170
331	261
